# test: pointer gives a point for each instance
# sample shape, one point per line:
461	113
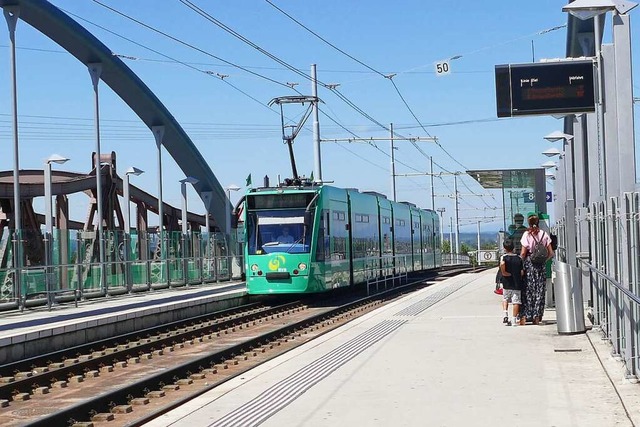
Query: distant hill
471	239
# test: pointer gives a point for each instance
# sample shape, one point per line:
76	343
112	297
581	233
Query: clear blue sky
238	134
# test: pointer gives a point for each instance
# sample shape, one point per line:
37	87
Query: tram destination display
561	87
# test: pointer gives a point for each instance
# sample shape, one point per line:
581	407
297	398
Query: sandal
523	321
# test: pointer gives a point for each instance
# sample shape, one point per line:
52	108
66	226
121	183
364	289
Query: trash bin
568	294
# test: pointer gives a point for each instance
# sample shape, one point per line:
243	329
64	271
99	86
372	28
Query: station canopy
523	191
498	179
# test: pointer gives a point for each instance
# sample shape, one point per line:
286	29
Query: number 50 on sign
442	68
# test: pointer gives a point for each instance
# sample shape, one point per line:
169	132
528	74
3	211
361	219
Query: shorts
512	296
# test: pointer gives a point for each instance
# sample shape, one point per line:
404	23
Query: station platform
38	330
441	357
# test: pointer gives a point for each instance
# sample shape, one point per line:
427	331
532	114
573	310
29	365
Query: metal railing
456	259
47	285
386	271
613	270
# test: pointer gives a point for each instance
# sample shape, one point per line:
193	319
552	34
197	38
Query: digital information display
545	88
279	201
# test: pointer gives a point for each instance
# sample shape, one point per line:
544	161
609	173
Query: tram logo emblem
276	262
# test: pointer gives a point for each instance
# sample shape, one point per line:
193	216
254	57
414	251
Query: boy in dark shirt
512	270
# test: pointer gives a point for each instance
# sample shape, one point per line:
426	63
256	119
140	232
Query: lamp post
228	190
185	230
206	197
127	224
48	222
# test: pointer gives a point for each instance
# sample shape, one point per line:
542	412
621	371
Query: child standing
512	270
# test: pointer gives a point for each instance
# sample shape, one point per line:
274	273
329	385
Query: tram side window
323	246
339	235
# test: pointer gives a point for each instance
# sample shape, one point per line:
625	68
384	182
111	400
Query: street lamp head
190	180
557	136
551	152
56	158
587	9
549	175
548	165
233	187
134	171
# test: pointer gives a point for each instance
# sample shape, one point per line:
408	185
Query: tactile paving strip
278	396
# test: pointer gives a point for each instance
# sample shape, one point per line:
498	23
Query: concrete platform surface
438	357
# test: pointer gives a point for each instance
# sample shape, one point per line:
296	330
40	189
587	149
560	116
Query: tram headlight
254	267
302	266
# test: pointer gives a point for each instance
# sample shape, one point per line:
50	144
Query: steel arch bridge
75	39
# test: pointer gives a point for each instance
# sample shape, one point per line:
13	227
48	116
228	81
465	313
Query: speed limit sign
442	68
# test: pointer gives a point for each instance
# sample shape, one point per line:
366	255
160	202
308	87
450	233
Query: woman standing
536	285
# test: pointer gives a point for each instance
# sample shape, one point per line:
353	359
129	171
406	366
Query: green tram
314	238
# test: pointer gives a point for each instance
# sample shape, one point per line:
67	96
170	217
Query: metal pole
600	114
451	235
183	190
206	199
478	237
127	231
48	229
317	159
158	134
11	14
433	194
48	209
228	215
393	167
95	70
441	211
457	219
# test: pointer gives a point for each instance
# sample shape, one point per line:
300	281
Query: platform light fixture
587	9
558	136
551	152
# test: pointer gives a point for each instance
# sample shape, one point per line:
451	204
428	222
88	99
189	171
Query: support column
62	225
624	98
158	134
610	130
11	14
95	70
317	158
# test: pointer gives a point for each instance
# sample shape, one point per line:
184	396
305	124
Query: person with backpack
536	251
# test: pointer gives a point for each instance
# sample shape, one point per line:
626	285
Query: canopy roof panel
497	179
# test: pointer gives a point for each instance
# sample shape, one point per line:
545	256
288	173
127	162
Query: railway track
131	379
